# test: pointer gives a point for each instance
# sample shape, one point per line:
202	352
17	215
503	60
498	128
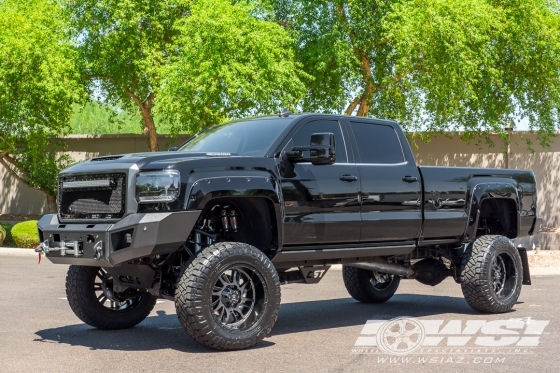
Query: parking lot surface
320	329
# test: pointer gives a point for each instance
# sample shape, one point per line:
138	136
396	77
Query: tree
125	44
463	65
39	81
231	63
138	52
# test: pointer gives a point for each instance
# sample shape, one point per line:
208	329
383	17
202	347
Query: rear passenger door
390	184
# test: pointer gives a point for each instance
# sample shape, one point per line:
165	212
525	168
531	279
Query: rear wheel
369	286
229	296
492	274
90	294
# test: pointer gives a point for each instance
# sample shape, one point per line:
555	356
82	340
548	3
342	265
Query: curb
17	251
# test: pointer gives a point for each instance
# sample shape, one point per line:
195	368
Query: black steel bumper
110	244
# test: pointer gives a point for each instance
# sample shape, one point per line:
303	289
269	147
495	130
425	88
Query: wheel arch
257	221
257	190
493	197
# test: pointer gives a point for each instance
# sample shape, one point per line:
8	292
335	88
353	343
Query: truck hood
152	160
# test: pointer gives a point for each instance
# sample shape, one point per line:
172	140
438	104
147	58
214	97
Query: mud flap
525	262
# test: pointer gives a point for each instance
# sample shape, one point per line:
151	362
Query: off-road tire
480	275
195	297
83	301
362	286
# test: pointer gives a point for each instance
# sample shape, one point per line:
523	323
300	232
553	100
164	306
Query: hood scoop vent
109	158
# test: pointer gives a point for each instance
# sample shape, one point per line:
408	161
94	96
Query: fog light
128	238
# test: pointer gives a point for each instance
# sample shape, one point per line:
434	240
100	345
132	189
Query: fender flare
206	187
480	191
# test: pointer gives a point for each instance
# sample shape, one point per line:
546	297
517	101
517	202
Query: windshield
249	138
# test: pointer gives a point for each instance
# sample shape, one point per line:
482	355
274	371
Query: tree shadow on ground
164	331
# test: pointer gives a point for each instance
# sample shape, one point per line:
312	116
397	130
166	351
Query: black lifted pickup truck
218	224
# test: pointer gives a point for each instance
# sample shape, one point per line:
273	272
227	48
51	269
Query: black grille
81	198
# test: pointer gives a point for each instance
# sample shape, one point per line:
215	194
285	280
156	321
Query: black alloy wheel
369	286
228	297
90	294
491	275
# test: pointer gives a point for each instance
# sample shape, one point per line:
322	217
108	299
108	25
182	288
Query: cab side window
303	136
377	143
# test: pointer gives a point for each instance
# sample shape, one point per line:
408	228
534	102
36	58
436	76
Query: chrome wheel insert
503	275
237	297
381	281
103	289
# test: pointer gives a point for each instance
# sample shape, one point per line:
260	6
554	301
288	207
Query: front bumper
107	244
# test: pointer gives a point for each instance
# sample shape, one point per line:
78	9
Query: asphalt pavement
319	329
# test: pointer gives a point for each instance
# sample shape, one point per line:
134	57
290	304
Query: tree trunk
350	109
368	92
51	204
149	125
150	130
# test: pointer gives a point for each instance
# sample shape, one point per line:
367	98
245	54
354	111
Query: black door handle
349	178
410	179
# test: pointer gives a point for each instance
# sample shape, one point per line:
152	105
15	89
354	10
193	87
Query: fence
441	151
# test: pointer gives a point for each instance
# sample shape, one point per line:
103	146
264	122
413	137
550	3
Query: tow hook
43	248
98	250
39	250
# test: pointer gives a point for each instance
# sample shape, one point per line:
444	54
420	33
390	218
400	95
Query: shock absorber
225	222
233	220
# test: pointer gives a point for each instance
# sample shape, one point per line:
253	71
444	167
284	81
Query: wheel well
498	216
256	220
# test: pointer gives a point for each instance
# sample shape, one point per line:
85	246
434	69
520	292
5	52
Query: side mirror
321	150
173	149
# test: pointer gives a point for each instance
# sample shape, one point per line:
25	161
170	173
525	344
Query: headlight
157	186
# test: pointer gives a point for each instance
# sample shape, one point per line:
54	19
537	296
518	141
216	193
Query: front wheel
492	274
229	296
90	295
369	286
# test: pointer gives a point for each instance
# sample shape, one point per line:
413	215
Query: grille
99	196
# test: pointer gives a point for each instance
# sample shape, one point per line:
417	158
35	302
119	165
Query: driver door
320	201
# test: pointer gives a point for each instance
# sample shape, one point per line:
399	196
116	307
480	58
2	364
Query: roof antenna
284	113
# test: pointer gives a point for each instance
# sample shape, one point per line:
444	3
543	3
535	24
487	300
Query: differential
430	271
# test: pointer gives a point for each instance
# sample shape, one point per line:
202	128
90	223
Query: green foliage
25	234
230	64
96	118
193	63
8	239
124	44
39	81
464	65
3	234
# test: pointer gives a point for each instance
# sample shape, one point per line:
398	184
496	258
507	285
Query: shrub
8	239
2	235
25	234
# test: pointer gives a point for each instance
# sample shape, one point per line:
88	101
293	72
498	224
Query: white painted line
63	298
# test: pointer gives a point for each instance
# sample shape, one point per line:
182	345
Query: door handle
410	179
349	178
